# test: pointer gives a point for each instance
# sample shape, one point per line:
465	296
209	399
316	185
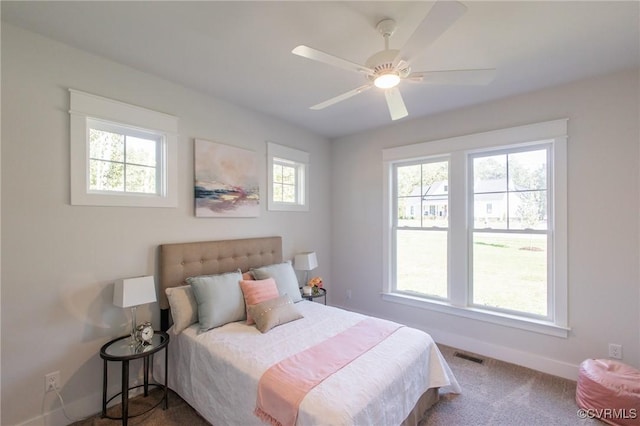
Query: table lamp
305	262
133	292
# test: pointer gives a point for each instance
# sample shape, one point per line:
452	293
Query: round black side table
322	292
120	349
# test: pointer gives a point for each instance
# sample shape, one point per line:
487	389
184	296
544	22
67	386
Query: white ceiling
240	51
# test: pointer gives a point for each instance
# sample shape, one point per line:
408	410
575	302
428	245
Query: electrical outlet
52	381
349	294
615	351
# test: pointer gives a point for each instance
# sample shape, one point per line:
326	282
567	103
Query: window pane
288	193
409	212
528	170
408	180
421	262
528	210
490	211
289	175
277	192
510	272
435	174
106	145
489	187
490	174
141	151
106	176
141	179
277	173
435	194
510	191
422	193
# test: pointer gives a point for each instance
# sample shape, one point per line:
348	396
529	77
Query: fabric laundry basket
610	391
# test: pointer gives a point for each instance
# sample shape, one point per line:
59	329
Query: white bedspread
217	372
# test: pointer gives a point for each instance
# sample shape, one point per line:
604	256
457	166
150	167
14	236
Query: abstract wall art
226	181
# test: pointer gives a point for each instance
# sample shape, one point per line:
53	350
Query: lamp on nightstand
133	292
305	262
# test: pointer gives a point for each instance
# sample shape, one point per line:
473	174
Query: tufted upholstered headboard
182	260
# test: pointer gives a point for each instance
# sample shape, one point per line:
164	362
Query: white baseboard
510	355
79	409
503	353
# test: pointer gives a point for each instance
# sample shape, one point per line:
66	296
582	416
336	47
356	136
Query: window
491	242
288	178
123	160
121	155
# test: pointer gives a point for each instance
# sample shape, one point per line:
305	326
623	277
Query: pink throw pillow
256	291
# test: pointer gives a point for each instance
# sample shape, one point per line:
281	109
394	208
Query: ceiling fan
387	68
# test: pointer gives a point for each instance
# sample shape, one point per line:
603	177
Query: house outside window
491	243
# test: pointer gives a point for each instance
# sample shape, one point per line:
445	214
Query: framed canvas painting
226	181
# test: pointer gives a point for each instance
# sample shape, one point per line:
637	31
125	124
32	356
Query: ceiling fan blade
397	109
471	77
341	97
320	56
442	15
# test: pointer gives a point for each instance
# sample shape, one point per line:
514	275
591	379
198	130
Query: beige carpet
498	393
493	393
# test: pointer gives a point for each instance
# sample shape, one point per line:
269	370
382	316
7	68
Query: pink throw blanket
284	385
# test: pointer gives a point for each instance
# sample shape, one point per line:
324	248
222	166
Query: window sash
473	230
423	197
432	273
431	284
127	133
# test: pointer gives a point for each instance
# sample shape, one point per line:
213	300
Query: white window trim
85	107
301	160
458	148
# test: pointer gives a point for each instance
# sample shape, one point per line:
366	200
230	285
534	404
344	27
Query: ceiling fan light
387	81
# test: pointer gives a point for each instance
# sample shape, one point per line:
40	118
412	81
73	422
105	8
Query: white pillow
184	308
220	299
285	277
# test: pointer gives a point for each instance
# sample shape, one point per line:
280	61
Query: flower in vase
316	284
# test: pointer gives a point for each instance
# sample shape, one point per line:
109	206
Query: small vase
316	291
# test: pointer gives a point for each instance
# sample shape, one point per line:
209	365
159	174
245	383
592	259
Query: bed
220	372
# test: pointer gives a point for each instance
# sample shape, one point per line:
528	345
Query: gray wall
59	261
603	234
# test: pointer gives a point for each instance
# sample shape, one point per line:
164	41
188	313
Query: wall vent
468	357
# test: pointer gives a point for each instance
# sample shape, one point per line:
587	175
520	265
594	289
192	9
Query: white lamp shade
305	261
130	292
